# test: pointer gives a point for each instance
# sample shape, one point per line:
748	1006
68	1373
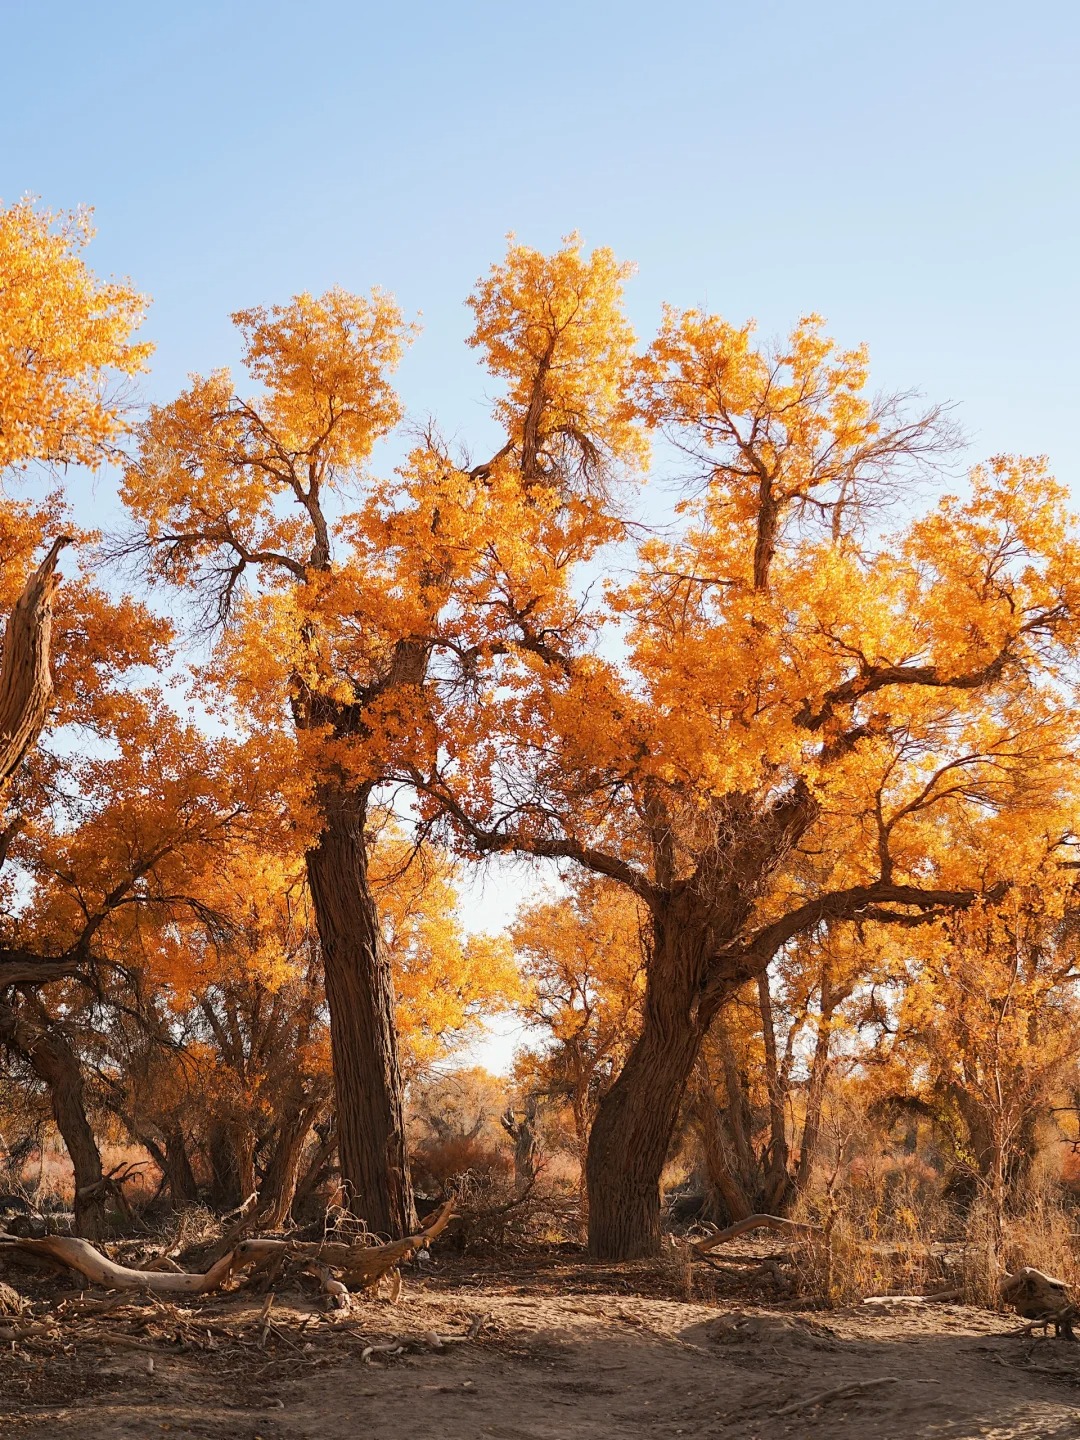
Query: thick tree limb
21	967
744	959
25	678
501	842
878	677
80	1255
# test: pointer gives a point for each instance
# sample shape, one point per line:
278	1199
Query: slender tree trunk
318	1168
777	1177
171	1158
579	1104
224	1172
360	996
283	1170
739	1116
243	1147
815	1092
53	1061
720	1169
636	1118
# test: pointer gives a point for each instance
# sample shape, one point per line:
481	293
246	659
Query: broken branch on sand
360	1265
841	1392
755	1222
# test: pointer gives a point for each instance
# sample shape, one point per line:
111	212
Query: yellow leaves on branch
553	329
323	364
65	341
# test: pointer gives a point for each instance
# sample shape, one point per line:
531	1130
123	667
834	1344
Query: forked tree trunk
360	997
318	1168
815	1094
777	1179
636	1118
53	1061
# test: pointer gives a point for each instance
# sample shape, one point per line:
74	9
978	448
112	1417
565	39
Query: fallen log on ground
1038	1297
939	1296
841	1392
360	1265
80	1255
756	1222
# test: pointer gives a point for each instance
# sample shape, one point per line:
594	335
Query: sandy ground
564	1351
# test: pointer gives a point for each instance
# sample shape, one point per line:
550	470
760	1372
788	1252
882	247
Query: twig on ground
841	1392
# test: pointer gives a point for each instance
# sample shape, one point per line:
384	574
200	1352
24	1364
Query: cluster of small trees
803	756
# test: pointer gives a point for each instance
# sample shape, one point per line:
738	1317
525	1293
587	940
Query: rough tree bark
53	1061
636	1118
25	677
777	1176
179	1175
721	1169
819	1072
360	997
283	1168
526	1146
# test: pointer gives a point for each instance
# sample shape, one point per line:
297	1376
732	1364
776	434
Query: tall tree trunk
53	1061
739	1115
360	996
318	1167
636	1118
179	1175
224	1170
526	1148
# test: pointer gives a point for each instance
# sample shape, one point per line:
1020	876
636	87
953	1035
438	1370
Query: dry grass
882	1225
1043	1234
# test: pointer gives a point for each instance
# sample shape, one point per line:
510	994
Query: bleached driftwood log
360	1265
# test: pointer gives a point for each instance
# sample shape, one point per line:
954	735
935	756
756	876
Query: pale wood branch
360	1265
755	1222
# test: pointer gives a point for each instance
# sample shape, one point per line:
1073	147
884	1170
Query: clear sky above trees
908	171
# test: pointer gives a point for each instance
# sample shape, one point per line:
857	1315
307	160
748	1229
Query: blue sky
910	171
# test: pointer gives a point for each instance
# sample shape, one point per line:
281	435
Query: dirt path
562	1359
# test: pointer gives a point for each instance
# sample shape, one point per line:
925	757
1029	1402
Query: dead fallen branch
841	1392
428	1340
360	1265
755	1222
938	1297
